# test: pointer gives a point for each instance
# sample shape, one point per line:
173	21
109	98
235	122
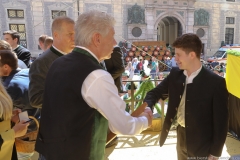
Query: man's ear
16	40
96	38
6	66
55	34
6	70
192	54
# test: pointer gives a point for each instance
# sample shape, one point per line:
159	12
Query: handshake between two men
141	111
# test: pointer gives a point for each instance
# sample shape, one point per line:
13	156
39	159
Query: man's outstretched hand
148	114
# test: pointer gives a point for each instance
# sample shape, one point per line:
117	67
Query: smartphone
23	116
28	121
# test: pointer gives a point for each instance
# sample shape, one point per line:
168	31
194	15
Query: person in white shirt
130	69
134	63
81	99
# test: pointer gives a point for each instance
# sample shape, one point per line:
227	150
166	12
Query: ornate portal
201	18
136	15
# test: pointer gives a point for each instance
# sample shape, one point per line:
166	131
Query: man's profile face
107	44
66	37
182	58
10	40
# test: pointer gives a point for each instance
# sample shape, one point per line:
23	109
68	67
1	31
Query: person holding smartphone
8	135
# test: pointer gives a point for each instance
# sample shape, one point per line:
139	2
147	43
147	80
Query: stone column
76	8
162	33
38	24
215	36
149	19
159	32
166	34
118	15
176	30
171	33
81	6
189	21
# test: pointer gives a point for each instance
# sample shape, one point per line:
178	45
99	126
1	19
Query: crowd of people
75	88
14	72
135	67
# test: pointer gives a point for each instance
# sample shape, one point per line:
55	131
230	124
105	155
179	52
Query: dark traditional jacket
23	54
37	75
115	66
206	112
70	129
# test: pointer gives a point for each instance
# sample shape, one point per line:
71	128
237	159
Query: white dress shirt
16	47
181	108
100	93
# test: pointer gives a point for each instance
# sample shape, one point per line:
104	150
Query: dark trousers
182	152
181	143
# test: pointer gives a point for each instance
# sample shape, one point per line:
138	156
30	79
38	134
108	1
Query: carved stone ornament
57	6
230	14
136	15
181	13
200	32
201	18
136	32
99	7
13	4
159	12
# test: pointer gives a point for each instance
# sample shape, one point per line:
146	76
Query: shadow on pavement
233	146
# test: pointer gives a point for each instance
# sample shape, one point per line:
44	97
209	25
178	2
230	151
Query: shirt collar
15	48
194	74
89	52
59	50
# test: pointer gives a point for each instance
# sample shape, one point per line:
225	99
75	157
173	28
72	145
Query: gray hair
92	22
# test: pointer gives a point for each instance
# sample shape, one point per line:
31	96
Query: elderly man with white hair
81	99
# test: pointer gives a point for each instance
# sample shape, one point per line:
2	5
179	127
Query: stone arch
169	20
167	14
165	21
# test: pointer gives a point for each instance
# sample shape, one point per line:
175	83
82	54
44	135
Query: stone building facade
216	22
